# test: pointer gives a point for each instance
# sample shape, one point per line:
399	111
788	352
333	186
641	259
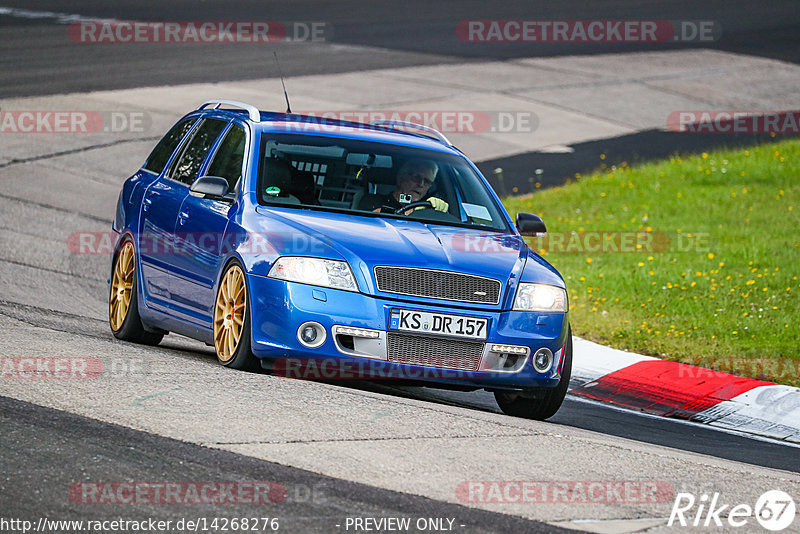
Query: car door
153	239
200	229
160	207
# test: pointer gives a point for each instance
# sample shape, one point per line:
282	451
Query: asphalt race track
172	414
366	35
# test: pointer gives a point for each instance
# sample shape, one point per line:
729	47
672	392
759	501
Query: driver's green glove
439	204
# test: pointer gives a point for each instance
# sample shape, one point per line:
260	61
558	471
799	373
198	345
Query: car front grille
435	352
437	284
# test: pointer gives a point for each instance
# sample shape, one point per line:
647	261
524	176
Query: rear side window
164	149
194	155
228	160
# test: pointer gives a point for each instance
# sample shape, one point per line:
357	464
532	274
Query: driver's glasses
419	178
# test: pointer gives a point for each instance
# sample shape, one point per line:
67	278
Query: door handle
182	216
146	203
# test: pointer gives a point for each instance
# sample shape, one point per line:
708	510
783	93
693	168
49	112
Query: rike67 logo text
774	510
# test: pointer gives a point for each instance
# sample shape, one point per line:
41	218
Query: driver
414	179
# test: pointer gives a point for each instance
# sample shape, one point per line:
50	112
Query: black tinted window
164	149
195	153
229	157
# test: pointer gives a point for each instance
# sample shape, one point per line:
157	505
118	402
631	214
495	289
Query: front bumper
280	307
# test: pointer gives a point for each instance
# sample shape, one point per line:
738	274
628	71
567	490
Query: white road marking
58	18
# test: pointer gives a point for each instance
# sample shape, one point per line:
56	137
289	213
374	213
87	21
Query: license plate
438	323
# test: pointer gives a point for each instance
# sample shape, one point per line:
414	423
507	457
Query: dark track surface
648	145
37	56
626	424
45	450
69	448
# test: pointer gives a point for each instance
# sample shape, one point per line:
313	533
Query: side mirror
211	187
530	224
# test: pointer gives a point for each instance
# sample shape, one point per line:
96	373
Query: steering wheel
413	205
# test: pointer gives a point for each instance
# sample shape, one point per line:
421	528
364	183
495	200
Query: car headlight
541	298
314	271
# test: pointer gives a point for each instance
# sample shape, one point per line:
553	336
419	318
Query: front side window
374	179
186	169
228	160
160	155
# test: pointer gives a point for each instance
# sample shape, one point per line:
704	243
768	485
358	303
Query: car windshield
374	179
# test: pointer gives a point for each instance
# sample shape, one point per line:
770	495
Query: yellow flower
640	264
588	260
710	255
705	155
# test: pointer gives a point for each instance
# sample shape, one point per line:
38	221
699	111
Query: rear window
160	155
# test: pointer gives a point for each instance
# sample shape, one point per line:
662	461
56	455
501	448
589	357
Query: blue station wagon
329	249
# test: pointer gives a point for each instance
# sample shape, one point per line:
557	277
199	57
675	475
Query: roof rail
436	134
252	111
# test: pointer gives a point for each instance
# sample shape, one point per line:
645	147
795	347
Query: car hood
366	241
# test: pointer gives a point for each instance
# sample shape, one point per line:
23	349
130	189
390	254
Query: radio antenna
285	94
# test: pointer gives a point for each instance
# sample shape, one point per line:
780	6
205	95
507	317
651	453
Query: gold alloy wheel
229	313
121	286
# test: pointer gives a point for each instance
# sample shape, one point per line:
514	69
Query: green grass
718	289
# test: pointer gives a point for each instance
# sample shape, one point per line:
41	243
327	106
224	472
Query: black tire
547	401
132	328
243	358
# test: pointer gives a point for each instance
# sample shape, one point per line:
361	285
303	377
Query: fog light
543	360
308	335
311	334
